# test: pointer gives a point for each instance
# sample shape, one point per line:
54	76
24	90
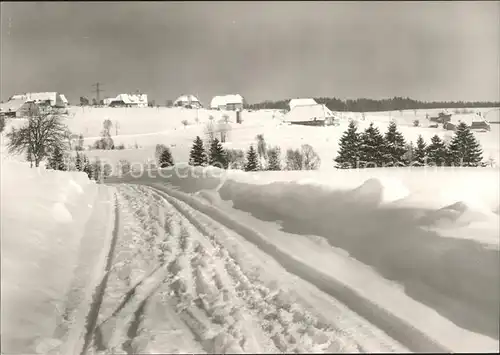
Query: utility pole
98	91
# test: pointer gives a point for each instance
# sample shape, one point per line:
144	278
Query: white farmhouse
189	101
129	100
53	99
310	115
227	102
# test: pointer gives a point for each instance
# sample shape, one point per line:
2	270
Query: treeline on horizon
370	105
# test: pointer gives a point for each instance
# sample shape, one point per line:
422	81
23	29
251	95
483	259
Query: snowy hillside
140	129
376	260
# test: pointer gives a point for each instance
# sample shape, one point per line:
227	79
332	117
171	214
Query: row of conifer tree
366	149
371	148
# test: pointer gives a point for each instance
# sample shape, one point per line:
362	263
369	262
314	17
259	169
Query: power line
98	91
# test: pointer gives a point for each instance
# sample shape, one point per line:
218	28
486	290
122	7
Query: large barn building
20	105
310	115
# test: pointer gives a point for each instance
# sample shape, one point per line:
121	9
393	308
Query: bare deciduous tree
39	136
223	128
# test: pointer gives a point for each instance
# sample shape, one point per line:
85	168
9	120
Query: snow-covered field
378	260
140	129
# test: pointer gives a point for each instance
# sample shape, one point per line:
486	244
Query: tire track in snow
195	295
101	288
396	328
274	314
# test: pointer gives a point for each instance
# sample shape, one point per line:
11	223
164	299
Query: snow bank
43	213
386	219
392	228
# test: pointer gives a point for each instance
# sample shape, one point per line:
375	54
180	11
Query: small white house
188	101
227	102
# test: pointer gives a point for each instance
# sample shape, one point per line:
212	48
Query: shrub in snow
293	159
107	125
166	159
348	153
371	151
198	156
2	123
185	122
124	166
209	131
436	152
217	155
394	147
120	146
105	142
311	159
99	170
236	158
261	145
464	149
79	144
274	159
410	152
416	123
223	128
252	163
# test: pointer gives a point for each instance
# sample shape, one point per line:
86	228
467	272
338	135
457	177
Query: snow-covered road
181	282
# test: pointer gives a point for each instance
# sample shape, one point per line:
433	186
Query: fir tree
78	162
420	153
165	160
198	156
252	162
464	149
436	152
348	153
56	159
86	167
372	147
395	146
274	161
217	155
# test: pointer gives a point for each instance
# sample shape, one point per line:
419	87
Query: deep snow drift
43	219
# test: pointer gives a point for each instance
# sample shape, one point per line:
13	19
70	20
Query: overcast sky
262	50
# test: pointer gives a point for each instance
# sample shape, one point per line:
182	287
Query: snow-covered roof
301	102
467	118
307	113
37	96
186	98
132	98
226	99
12	105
